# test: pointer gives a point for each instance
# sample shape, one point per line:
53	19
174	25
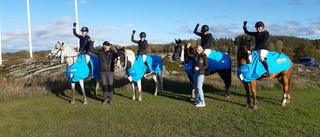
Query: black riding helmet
143	35
204	28
259	24
84	28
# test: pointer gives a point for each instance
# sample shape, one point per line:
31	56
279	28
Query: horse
280	67
72	59
218	62
135	69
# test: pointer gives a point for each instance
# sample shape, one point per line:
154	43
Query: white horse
127	60
70	55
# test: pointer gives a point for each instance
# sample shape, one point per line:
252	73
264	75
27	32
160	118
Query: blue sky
162	20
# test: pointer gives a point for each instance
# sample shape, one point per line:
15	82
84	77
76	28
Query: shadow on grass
59	87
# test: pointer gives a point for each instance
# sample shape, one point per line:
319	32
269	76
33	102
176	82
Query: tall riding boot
148	70
265	65
90	70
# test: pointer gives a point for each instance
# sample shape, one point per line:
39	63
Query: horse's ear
179	40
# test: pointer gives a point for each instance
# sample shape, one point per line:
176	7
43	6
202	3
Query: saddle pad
95	67
137	70
154	63
78	70
276	62
217	60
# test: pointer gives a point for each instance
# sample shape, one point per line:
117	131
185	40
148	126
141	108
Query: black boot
265	65
90	70
148	70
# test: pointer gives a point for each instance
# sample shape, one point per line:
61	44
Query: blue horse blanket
138	69
217	60
79	70
276	62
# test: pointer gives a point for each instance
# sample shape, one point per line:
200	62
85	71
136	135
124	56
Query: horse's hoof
85	102
133	98
255	107
288	101
283	104
72	102
192	99
227	96
140	99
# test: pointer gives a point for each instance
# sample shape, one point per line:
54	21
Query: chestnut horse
245	58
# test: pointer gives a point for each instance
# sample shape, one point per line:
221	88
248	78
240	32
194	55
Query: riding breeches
263	54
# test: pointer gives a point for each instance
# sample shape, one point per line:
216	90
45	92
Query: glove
74	24
244	23
134	31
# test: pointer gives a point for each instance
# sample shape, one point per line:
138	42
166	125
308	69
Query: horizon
168	20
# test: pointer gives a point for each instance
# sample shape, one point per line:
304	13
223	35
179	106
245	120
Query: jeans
198	82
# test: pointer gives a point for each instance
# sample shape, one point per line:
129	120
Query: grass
170	114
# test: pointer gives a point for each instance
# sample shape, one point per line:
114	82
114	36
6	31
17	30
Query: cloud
129	26
295	2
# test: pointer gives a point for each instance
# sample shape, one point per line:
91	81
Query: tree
306	49
279	46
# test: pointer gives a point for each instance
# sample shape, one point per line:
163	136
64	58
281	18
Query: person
84	38
142	47
206	37
261	38
199	69
106	61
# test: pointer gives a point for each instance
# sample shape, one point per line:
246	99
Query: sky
162	20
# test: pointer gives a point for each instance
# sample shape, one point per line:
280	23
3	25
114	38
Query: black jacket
205	39
261	38
200	61
84	41
106	58
142	46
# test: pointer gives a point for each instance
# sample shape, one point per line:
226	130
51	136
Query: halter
182	53
125	59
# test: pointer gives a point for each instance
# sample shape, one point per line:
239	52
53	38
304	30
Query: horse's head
244	52
178	48
125	58
56	52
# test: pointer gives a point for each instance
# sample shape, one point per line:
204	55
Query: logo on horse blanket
217	60
138	68
79	70
276	61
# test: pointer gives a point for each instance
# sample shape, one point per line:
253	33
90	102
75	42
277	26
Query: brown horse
180	52
284	77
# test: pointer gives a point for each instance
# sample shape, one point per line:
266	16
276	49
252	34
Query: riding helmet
84	28
143	35
204	28
259	24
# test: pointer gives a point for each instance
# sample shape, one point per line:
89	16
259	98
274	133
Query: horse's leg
73	88
253	85
160	79
284	79
133	90
226	77
193	93
97	86
83	92
246	88
139	90
154	76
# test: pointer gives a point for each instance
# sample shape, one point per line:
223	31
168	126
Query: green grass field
169	114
